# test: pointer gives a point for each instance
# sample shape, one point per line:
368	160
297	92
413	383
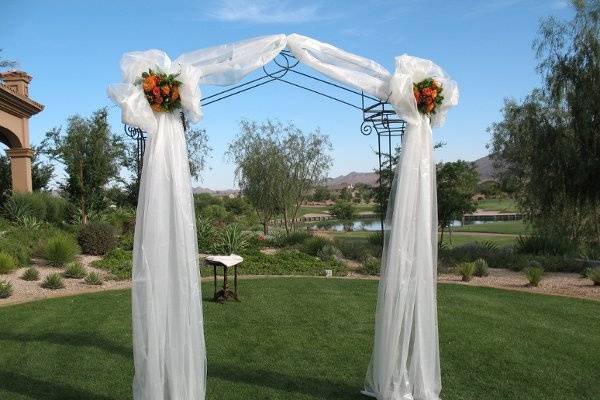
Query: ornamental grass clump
6	289
534	275
53	282
466	270
74	270
93	278
7	263
594	276
481	267
31	274
60	250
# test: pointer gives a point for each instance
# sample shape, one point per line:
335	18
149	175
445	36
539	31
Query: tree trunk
285	220
265	225
442	236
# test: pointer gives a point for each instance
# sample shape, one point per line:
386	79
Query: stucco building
15	110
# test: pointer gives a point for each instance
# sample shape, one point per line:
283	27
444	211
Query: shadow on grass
311	386
43	390
68	339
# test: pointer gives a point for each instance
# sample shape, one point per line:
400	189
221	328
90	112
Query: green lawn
308	338
503	205
507	227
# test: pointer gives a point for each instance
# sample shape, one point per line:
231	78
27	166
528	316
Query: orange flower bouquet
161	90
428	94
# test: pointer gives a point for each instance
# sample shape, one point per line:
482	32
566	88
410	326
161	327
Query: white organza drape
169	352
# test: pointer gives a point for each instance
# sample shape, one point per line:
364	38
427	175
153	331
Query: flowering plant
428	94
161	90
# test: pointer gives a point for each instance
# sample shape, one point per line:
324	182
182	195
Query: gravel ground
24	291
561	284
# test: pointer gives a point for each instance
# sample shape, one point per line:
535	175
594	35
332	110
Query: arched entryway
15	110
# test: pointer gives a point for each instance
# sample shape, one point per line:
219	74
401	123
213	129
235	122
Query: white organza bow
410	70
130	96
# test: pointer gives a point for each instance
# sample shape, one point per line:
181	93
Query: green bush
481	267
7	263
126	241
207	236
93	278
371	266
376	238
118	262
314	244
594	275
74	270
540	244
356	248
329	253
53	281
40	205
466	270
6	289
60	250
31	274
534	275
232	240
288	262
97	238
283	239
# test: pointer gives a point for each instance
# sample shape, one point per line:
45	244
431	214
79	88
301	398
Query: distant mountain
486	169
225	192
351	179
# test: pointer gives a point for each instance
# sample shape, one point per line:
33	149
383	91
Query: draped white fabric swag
169	351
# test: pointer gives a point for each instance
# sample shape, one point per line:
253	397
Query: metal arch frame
378	116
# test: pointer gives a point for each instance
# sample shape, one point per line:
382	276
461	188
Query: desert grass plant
594	275
329	253
7	263
31	274
466	270
60	250
232	240
53	282
534	275
74	270
6	289
481	267
93	278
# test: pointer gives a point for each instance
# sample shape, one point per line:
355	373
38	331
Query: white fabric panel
356	71
230	63
168	336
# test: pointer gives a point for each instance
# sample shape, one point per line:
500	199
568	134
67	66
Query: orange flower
430	107
417	95
428	92
165	90
434	93
155	107
156	91
158	99
175	93
149	83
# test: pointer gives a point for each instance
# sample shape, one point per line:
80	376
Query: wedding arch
168	338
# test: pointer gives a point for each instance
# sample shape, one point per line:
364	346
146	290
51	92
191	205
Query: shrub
126	241
29	222
97	238
283	239
53	281
6	289
288	262
371	266
534	275
481	267
376	238
356	248
60	250
329	253
594	275
7	263
314	244
118	262
232	240
541	244
206	234
74	270
40	205
93	278
466	270
31	274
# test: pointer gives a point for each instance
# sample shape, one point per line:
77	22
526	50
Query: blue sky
72	48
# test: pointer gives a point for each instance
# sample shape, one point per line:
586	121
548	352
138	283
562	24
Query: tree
321	193
548	143
260	168
278	166
91	155
456	186
344	211
4	63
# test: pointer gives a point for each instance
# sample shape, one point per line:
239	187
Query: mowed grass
501	205
309	338
504	227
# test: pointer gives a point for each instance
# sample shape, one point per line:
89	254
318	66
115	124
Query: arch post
20	168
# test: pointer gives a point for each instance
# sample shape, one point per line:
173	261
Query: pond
370	225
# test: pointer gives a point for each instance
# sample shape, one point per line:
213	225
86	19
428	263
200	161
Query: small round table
225	293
